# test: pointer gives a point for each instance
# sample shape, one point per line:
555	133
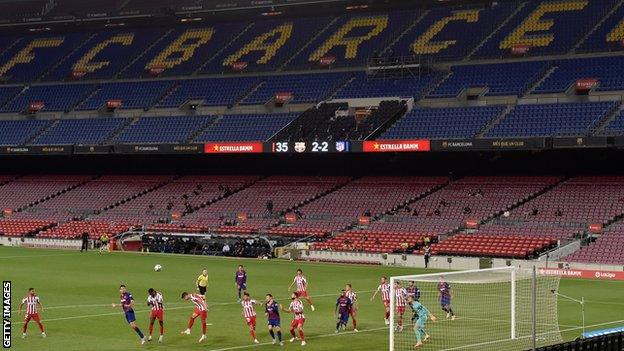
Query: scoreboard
309	146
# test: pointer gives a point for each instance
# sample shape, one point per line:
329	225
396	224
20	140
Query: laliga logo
605	275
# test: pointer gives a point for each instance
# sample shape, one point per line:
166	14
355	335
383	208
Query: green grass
77	290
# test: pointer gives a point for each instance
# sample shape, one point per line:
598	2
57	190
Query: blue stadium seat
568	27
608	70
501	79
253	127
177	129
443	123
79	131
55	97
566	119
364	86
305	87
18	132
214	92
134	95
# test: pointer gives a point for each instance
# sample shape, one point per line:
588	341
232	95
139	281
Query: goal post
485	309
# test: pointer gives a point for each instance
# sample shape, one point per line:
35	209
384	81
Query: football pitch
77	291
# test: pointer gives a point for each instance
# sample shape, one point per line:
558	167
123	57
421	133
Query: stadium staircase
301	49
590	32
406	31
147	50
224	196
495	121
67	56
127	123
600	126
200	130
53	195
387	123
223	48
538	82
495	31
40	132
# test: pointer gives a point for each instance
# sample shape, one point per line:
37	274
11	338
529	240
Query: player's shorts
251	321
297	323
33	316
344	317
274	322
302	293
401	309
242	286
420	322
201	314
158	314
202	290
386	303
130	316
445	301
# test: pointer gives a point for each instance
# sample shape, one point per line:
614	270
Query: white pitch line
137	310
307	338
31	256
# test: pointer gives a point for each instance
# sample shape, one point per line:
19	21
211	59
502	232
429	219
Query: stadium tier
315	42
443	123
515	217
499	79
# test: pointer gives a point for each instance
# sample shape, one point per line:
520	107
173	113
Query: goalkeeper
420	316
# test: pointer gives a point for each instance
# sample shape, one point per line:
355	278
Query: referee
202	282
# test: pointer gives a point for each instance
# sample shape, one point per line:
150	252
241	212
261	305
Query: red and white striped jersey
296	307
352	296
302	283
400	297
31	304
385	291
248	308
156	302
197	300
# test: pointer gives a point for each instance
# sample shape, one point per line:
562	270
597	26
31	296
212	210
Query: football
157	268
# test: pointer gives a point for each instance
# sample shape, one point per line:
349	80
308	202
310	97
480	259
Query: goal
495	309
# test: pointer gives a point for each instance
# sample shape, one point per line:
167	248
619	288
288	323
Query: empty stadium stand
335	121
607	70
442	123
607	249
553	119
498	79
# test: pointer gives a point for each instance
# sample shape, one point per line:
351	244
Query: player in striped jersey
354	305
32	305
302	287
272	309
155	301
296	308
400	298
249	313
384	288
201	311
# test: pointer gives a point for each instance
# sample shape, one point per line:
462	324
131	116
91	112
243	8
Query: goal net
489	309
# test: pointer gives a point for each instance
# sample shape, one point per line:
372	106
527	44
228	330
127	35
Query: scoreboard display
317	146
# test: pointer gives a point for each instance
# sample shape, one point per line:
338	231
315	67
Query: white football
157	268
